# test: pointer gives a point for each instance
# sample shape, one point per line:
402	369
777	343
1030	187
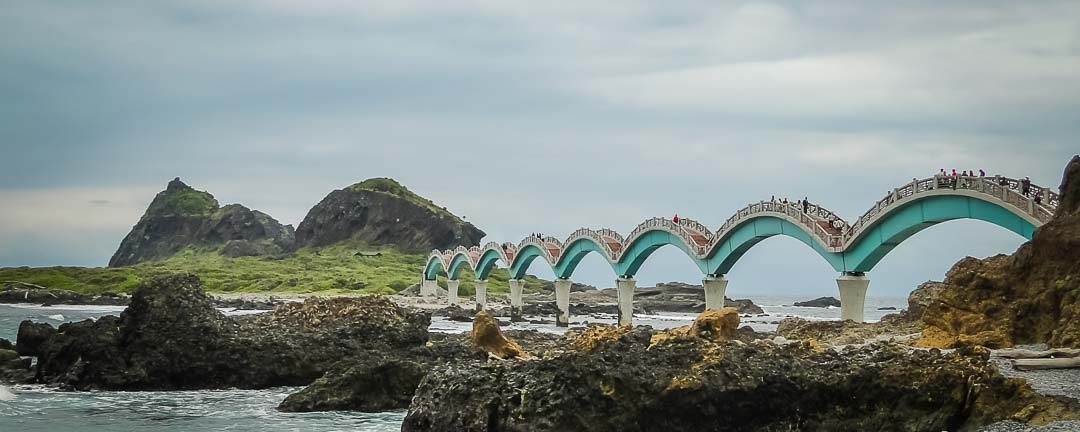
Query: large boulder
372	382
181	217
172	337
719	325
622	380
31	336
383	212
376	382
1032	296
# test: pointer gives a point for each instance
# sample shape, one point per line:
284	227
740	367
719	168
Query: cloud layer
527	117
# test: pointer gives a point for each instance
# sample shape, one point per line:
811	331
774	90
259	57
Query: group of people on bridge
953	179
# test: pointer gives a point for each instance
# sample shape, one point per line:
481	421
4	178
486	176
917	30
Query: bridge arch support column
562	301
852	295
429	287
452	291
481	294
715	289
624	287
516	300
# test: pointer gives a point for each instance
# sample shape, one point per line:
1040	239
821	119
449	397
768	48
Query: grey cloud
530	116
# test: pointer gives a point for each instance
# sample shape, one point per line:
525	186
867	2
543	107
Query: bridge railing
1038	202
668	225
809	219
696	226
596	237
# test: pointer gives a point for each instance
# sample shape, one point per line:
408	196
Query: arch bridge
852	249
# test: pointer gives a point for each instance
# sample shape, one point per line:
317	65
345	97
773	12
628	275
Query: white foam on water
235	312
84	308
57	317
6	395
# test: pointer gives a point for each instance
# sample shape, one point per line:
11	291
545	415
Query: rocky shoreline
369	354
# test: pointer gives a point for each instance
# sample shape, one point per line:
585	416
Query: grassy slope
327	270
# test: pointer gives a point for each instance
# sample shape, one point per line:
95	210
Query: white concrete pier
452	291
562	301
429	288
852	295
715	289
625	289
516	302
481	294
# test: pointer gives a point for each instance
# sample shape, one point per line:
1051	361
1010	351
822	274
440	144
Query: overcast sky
528	116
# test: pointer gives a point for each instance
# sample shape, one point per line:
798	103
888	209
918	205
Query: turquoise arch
898	225
459	262
486	263
747	235
861	255
433	267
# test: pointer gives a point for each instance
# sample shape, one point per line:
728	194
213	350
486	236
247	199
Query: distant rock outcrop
820	302
381	211
181	216
1031	296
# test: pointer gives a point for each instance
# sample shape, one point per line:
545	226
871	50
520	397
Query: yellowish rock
488	337
717	325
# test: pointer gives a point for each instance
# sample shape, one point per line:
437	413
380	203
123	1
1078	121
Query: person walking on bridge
805	205
1025	185
676	218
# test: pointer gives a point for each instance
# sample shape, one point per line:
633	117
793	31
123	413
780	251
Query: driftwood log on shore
1031	354
1045	363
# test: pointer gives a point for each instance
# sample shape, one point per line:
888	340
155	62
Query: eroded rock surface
848	332
620	379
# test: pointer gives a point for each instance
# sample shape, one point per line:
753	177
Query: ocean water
39	408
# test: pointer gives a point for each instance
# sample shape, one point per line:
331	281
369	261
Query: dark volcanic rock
172	337
549	287
180	217
20	292
820	302
1032	296
6	345
383	212
456	313
14	369
31	336
681	297
627	382
374	383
